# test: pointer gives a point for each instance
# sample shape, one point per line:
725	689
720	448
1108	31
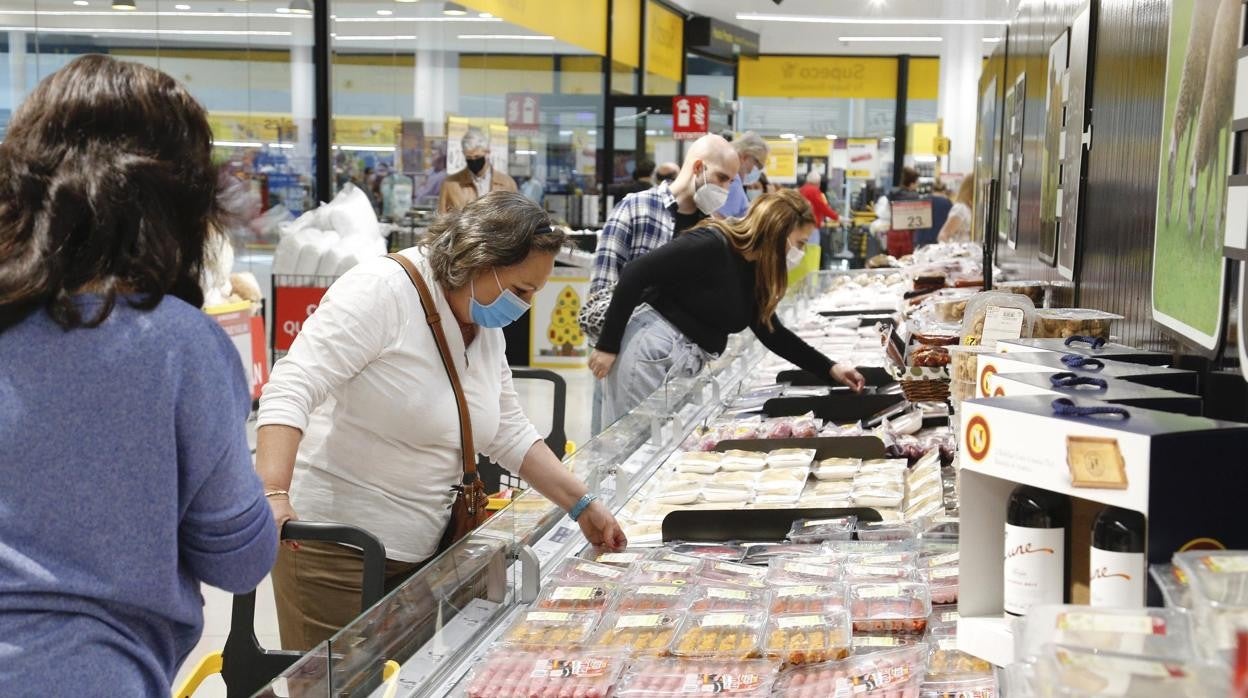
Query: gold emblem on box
1096	463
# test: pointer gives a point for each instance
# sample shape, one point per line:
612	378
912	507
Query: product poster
864	158
985	168
1078	131
1014	157
556	340
1007	166
456	129
1188	268
1054	129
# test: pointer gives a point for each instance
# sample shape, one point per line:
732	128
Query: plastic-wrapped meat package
551	629
730	635
558	673
654	597
803	571
583	596
901	607
780	428
885	531
734	573
575	570
809	598
982	685
710	551
943	582
640	634
723	597
665	572
680	678
820	530
616	558
805	427
888	674
808	638
762	553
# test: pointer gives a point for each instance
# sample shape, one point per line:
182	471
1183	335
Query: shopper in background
477	179
752	153
941	206
957	227
127	475
642	180
646	220
693	292
391	454
813	193
666	173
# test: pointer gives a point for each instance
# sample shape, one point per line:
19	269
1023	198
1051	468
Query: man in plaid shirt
646	220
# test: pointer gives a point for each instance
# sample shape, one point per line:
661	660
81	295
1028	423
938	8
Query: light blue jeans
651	352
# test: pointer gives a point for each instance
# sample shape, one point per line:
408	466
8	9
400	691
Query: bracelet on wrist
277	493
581	505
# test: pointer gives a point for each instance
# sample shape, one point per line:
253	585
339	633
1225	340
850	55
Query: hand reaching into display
283	512
600	527
600	363
847	375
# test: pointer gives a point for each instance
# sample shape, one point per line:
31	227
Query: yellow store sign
665	42
820	77
781	161
626	32
814	148
581	23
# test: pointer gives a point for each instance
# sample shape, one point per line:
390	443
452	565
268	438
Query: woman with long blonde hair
706	284
957	226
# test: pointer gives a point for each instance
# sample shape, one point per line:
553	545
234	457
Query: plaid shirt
643	221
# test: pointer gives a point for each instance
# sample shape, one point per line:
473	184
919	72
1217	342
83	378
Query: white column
17	69
302	97
436	92
961	60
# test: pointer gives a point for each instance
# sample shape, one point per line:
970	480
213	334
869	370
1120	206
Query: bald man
645	220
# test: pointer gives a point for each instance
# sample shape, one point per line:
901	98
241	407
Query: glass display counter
430	629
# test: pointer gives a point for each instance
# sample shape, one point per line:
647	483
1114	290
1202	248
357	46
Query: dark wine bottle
1117	559
1037	549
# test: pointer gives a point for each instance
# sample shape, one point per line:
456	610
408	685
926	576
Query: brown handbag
468	510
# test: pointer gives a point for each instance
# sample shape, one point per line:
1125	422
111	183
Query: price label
619	558
660	591
1130	624
724	620
576	593
811	570
599	571
746	570
547	617
791	622
785	592
1001	323
943	560
669	567
732	594
646	621
879	592
911	215
945	573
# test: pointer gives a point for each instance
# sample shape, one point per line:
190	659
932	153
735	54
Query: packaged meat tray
857	572
705	462
943	583
732	635
711	551
886	531
852	548
810	598
747	461
983	685
665	572
801	571
1076	673
1060	323
681	678
797	639
820	530
889	674
654	597
616	558
576	596
735	574
837	469
551	629
577	570
640	634
791	458
763	552
1153	632
557	673
670	555
724	598
902	607
883	642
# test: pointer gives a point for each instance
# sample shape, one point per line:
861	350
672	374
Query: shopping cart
492	474
244	665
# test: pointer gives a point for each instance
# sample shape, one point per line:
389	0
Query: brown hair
966	190
909	176
763	235
498	230
107	185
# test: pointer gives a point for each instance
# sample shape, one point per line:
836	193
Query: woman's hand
600	527
847	375
600	363
279	504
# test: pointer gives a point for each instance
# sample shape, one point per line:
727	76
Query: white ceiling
867	18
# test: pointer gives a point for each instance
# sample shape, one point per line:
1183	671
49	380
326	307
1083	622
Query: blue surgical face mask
752	176
505	309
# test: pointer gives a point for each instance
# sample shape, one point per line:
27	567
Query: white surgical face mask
793	258
708	197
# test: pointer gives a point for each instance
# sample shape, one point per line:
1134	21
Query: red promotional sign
292	305
259	357
691	116
523	112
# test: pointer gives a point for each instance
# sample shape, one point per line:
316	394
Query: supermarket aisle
537	398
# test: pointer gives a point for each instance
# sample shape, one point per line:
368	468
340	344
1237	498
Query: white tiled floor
537	398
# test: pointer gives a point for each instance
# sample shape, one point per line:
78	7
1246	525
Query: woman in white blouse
391	453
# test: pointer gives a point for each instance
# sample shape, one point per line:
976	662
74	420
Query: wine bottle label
1034	567
1117	579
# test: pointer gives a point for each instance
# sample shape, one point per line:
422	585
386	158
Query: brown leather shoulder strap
439	335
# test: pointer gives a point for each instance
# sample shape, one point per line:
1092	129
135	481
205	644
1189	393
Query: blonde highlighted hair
762	235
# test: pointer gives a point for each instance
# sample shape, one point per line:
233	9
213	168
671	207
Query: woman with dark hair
699	288
127	475
390	453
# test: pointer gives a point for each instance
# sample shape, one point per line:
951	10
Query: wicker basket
925	390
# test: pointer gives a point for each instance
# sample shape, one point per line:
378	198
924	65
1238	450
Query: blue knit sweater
125	481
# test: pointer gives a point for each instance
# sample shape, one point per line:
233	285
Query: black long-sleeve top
706	290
